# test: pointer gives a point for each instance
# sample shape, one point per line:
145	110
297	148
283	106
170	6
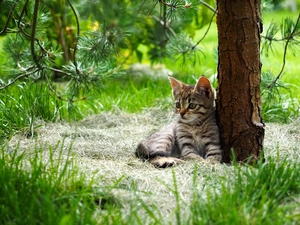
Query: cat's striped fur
194	135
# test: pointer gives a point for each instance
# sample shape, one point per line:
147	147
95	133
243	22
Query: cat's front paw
163	162
194	156
214	160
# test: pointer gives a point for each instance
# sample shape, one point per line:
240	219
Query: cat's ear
203	86
176	85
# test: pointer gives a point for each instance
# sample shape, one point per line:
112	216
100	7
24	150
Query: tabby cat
194	135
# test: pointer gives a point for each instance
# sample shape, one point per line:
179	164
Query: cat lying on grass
193	136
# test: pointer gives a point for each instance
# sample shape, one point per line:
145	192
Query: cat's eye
177	105
192	106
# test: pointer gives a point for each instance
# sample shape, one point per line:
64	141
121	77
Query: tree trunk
239	68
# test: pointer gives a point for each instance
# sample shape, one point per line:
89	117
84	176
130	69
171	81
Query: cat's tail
143	152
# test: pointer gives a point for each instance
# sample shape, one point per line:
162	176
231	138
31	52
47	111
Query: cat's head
193	102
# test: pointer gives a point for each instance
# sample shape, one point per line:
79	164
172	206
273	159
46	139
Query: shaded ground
103	146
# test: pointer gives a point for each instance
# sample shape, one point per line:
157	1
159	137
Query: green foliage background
77	73
79	61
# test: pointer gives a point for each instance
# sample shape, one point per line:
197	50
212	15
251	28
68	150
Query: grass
37	192
86	173
133	94
27	103
49	189
45	186
31	103
256	196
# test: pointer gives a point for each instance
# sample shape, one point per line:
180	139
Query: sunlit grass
133	94
35	192
49	189
38	191
23	104
260	195
32	102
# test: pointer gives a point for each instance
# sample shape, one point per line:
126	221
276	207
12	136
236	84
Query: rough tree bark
239	69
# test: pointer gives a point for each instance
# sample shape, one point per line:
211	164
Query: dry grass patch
103	146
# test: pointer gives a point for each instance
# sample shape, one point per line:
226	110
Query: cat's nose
182	113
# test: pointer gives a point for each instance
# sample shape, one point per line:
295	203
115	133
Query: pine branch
32	39
206	32
78	33
208	6
165	24
179	44
288	39
8	18
191	49
172	7
34	22
20	19
58	96
26	74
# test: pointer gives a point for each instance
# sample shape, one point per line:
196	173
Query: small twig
289	38
26	34
59	71
206	32
78	33
165	21
167	25
59	96
20	18
141	7
35	15
8	18
53	91
175	5
23	68
281	39
31	38
26	74
167	4
208	6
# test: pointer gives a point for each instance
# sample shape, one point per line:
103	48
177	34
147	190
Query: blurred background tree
81	44
47	35
76	35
